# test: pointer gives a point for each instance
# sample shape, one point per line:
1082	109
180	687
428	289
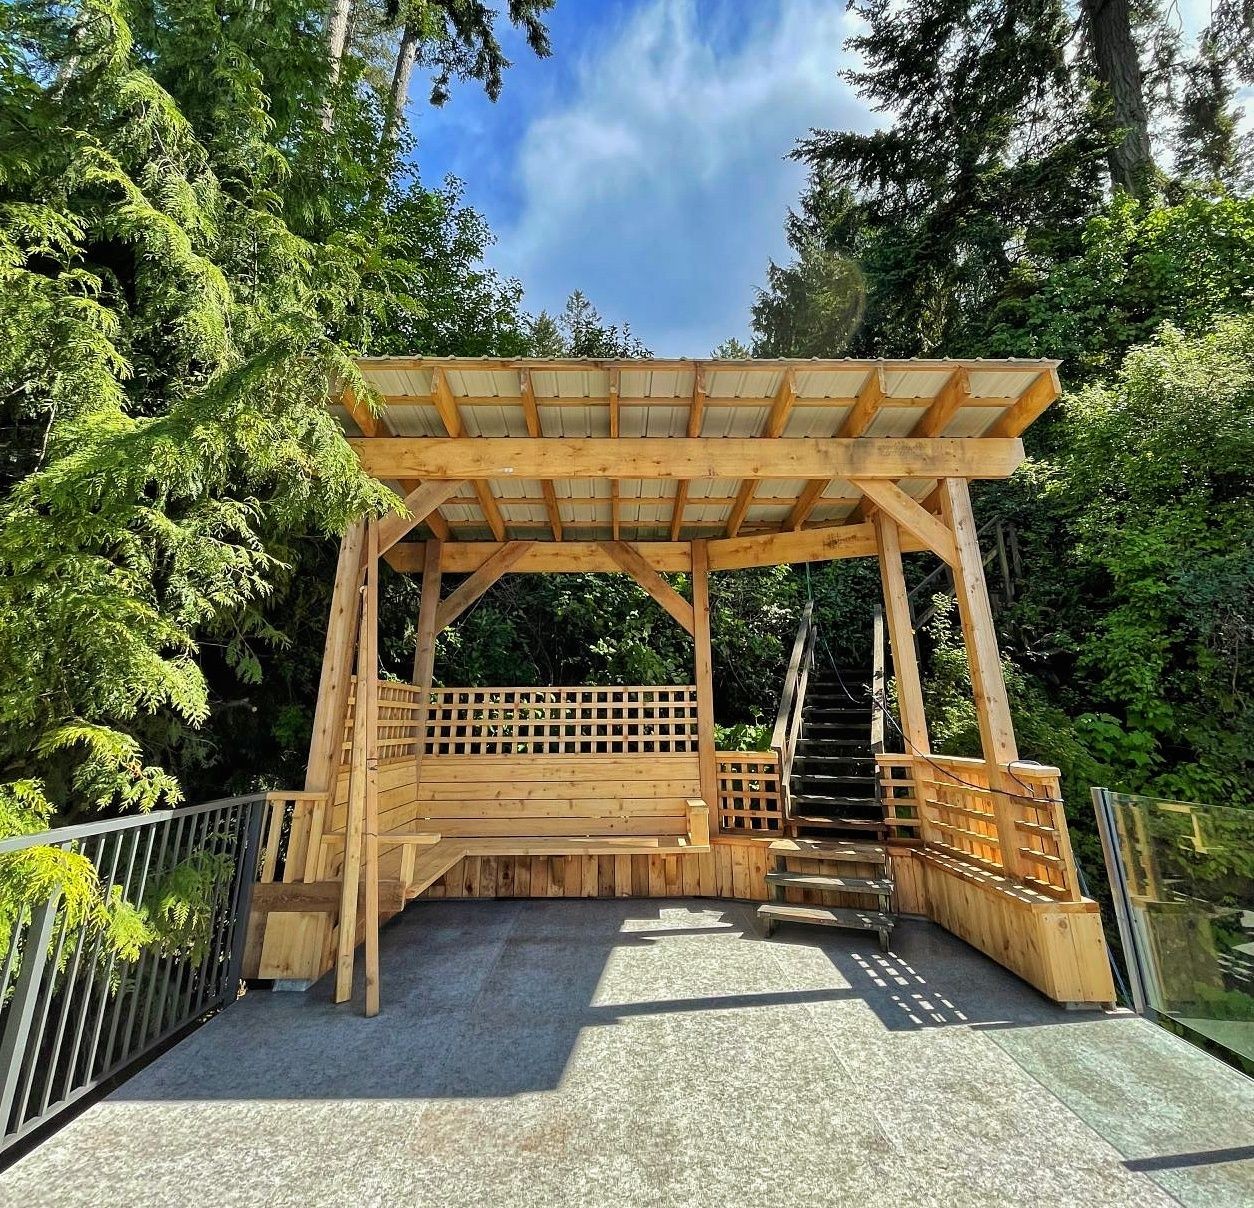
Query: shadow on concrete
487	999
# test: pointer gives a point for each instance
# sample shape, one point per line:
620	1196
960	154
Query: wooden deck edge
1058	947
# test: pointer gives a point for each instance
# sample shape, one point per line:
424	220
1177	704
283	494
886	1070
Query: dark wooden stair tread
814	880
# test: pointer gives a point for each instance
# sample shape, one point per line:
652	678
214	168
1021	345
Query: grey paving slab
660	1053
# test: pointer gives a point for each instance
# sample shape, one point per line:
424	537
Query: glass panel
1189	874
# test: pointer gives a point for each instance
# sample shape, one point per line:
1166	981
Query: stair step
838	802
838	778
845	851
815	880
825	916
867	824
838	742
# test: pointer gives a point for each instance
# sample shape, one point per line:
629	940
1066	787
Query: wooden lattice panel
563	721
748	793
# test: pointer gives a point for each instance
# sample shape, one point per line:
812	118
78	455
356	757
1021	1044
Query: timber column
988	685
704	669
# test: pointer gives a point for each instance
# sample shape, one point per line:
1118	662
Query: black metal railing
138	933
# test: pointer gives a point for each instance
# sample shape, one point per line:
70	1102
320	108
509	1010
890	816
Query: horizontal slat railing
78	1007
950	802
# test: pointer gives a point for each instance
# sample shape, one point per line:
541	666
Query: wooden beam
901	635
369	686
428	604
337	663
678	457
945	405
912	516
703	667
424	645
630	560
454	425
1029	406
355	822
776	418
479	582
992	705
420	503
544	557
531	414
696	417
870	395
614	435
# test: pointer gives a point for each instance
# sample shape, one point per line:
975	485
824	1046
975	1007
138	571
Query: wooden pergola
646	467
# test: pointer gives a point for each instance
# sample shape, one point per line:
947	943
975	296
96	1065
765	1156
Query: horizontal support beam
588	557
480	458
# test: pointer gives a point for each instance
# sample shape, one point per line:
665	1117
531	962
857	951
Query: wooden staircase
827	733
828	877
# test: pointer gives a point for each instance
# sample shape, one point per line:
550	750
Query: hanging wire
878	703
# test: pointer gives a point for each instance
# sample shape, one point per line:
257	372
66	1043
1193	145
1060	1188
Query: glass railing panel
1183	882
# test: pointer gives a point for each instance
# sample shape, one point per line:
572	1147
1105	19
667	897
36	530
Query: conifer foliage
199	225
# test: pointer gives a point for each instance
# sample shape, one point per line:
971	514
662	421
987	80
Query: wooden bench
564	804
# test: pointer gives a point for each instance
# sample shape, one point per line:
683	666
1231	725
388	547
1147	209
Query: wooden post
362	787
901	635
424	653
326	742
704	667
370	643
988	685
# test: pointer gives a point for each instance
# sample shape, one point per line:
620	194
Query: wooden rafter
870	395
776	418
630	560
696	417
1029	406
944	406
421	502
531	414
677	457
614	434
479	582
455	426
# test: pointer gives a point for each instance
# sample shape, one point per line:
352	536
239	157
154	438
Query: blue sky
645	161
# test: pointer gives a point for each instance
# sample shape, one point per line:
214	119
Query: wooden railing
950	802
792	699
750	796
632	720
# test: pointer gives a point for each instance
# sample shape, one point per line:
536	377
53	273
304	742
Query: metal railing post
1104	809
21	1010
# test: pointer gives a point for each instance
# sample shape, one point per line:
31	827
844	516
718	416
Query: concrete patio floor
658	1053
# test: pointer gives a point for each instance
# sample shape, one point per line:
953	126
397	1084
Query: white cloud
658	183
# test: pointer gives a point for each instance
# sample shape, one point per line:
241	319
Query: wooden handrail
792	699
879	681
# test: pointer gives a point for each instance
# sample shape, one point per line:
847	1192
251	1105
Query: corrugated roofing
491	397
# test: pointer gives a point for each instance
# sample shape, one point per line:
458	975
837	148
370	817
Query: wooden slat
454	425
680	457
531	415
